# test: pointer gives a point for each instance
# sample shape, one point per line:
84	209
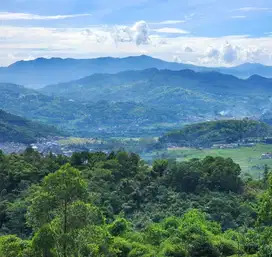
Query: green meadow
249	158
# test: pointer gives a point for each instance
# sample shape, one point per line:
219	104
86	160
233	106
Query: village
62	146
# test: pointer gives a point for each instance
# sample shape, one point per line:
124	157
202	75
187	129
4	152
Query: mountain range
139	103
131	96
190	93
40	72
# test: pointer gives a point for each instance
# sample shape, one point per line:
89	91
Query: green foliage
265	209
217	132
174	250
119	227
213	173
117	206
12	246
159	167
54	196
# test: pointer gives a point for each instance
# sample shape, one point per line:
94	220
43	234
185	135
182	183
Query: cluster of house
232	145
11	147
54	147
266	155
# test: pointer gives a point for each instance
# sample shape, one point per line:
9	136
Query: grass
249	158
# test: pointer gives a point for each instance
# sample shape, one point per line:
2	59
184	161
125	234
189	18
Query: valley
134	163
135	128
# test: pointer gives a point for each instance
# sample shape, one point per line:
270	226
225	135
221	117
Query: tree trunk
65	230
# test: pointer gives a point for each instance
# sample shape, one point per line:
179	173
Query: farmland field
249	158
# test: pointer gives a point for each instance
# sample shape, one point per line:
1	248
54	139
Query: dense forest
17	129
97	204
217	132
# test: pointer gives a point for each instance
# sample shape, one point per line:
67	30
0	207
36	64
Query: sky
200	32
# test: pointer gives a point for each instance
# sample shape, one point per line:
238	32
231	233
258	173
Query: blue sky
204	32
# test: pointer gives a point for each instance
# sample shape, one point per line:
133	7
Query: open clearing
249	158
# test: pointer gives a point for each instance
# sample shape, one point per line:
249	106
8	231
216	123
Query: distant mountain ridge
40	72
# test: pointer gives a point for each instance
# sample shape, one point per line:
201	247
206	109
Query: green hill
17	129
217	132
191	94
139	103
99	118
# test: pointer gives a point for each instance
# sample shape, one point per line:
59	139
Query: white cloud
28	16
141	32
171	31
188	49
252	9
238	17
212	52
138	33
234	54
226	54
168	22
23	43
229	53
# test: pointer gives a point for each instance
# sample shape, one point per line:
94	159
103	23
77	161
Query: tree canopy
114	205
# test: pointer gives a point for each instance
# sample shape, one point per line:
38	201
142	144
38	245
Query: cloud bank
18	43
253	9
168	22
171	31
8	16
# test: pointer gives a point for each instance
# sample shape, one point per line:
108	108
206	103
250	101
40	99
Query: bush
12	246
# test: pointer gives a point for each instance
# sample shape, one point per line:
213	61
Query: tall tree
58	208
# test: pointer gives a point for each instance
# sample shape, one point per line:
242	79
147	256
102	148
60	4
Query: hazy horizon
131	56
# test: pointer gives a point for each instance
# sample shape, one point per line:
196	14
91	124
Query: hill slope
41	72
139	103
85	119
224	132
17	129
195	93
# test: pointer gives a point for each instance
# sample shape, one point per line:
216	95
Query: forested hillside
17	129
114	205
131	83
139	103
100	118
191	94
217	132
